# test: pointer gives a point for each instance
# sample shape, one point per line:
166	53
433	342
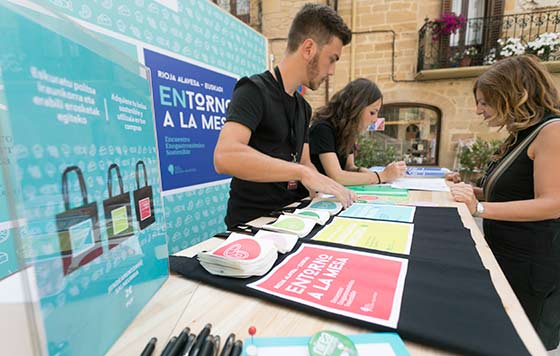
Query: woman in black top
521	187
335	130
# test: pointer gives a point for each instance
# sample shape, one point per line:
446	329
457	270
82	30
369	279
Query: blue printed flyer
399	213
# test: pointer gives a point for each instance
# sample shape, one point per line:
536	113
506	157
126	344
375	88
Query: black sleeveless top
529	241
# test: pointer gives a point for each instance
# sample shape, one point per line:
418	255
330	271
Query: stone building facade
385	49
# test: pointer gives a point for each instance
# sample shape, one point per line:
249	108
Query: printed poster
375	235
380	212
333	280
190	104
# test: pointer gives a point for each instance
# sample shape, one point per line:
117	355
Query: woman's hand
393	171
464	193
454	177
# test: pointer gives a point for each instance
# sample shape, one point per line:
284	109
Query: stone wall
372	57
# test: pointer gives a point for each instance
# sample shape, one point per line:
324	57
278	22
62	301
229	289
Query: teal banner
85	161
196	29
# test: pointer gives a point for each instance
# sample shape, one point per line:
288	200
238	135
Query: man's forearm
246	163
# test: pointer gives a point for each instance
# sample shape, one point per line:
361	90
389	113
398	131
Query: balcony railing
477	42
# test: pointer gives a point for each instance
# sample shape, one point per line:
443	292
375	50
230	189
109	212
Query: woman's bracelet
378	177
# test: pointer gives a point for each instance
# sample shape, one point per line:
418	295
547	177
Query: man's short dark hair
319	22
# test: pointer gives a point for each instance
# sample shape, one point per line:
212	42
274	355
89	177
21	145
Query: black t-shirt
322	139
258	103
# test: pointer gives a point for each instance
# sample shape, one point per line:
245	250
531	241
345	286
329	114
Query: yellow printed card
375	235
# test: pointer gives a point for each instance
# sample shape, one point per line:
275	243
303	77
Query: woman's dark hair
344	111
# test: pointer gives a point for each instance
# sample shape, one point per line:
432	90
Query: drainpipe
352	44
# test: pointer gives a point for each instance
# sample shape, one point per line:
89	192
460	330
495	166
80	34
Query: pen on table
237	348
189	344
200	339
216	345
169	346
228	345
207	348
149	347
180	343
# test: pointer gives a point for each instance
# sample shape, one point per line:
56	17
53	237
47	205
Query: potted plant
447	24
370	152
513	46
544	45
463	58
468	55
490	58
474	157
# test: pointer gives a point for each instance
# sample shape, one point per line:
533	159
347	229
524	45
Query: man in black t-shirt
264	142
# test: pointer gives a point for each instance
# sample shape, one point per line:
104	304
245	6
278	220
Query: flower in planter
490	58
447	24
463	58
471	52
544	45
511	47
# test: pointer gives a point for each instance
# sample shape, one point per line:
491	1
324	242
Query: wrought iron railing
478	41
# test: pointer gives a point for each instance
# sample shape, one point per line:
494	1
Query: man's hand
314	182
454	177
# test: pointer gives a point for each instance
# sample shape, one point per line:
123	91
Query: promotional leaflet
329	205
430	184
380	212
416	171
367	198
333	280
319	216
379	190
375	235
291	224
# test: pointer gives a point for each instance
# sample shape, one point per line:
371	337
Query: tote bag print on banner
78	228
143	200
118	217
